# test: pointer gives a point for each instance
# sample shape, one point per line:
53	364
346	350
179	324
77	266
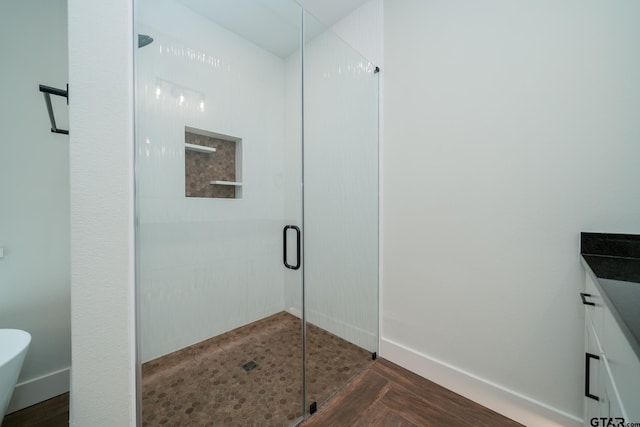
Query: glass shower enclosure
257	212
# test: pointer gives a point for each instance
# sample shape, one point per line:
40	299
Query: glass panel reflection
220	169
218	179
340	210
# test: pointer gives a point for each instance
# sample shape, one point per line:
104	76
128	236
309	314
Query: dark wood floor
50	413
384	395
387	395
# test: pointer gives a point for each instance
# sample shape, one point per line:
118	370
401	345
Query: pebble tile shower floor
208	383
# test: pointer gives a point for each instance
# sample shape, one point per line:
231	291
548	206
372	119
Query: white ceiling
273	25
331	11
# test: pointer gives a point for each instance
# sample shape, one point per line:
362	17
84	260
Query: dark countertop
614	268
613	261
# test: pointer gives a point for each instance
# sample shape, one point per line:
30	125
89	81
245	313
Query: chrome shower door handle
284	252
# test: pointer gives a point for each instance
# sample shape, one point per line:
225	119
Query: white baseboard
507	402
39	389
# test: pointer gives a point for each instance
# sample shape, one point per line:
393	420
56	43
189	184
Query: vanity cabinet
593	373
623	365
612	367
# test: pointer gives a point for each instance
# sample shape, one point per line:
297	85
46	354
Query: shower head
144	40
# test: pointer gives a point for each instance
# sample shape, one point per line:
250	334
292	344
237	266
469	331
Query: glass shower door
340	211
219	195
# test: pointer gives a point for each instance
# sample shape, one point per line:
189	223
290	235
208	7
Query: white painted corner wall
102	254
508	131
34	196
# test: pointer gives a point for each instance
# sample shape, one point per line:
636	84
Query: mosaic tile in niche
202	168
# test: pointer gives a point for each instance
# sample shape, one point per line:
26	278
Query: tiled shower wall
340	188
216	265
207	265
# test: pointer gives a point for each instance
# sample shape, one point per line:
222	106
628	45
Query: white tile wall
207	265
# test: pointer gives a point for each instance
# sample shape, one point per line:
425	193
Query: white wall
101	162
34	195
207	265
509	128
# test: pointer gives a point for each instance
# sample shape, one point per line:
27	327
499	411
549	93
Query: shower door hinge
313	408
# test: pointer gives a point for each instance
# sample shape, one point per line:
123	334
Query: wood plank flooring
50	413
384	395
387	395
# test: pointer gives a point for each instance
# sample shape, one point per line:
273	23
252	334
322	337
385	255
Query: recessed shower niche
212	165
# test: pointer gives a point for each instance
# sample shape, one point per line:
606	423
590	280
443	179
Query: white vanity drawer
624	366
594	304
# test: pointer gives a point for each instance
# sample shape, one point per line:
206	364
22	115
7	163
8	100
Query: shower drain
249	366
